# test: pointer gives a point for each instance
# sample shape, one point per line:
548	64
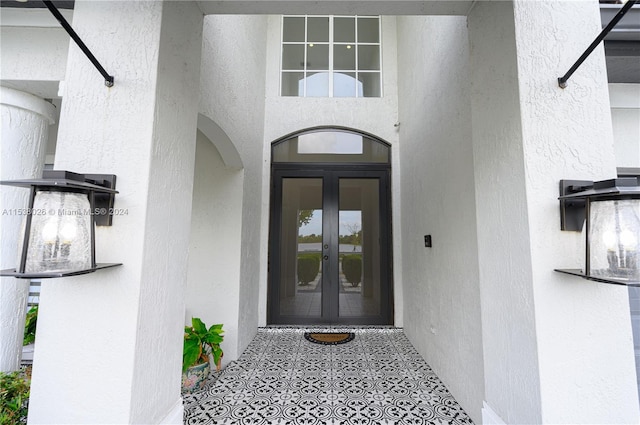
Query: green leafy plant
304	217
199	342
352	269
14	397
308	268
30	326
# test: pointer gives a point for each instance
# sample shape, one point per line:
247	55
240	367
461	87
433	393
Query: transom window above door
331	56
330	145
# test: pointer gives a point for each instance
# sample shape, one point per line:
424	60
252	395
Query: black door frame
331	173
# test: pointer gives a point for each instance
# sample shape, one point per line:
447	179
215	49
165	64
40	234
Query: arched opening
330	240
227	150
215	250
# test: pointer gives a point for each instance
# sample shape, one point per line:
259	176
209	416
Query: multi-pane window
331	56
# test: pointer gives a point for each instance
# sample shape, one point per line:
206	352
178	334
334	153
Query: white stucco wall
156	388
232	95
377	116
557	349
127	321
625	117
29	53
508	329
33	50
213	288
577	384
441	287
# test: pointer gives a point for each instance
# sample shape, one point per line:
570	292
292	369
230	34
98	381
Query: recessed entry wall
441	285
214	249
374	115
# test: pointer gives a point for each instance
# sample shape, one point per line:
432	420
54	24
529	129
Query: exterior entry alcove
483	135
330	239
212	292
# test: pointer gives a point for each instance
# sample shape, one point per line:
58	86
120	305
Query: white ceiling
333	7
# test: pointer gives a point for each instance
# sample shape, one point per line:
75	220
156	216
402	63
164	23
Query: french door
330	254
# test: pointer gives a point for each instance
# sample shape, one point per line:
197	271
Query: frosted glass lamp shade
60	237
58	233
614	234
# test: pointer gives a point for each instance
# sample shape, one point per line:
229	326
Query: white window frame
331	45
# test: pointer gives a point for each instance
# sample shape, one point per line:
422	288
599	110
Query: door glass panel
359	252
301	247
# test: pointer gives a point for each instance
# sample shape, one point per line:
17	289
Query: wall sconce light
59	227
612	212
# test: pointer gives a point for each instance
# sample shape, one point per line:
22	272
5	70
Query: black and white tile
281	378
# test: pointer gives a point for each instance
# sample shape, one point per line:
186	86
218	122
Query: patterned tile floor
281	378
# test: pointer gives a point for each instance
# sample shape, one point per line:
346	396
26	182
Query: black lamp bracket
572	211
103	200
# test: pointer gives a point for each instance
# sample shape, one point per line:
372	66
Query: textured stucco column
25	119
557	348
110	343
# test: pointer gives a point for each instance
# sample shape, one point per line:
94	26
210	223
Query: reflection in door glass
301	247
359	253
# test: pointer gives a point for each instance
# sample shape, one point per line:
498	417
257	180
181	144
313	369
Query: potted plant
199	343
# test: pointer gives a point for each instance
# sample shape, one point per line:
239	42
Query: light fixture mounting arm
562	81
108	79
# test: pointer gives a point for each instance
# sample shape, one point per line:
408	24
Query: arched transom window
330	145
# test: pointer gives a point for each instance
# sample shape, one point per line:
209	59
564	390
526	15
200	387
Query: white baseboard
175	415
489	417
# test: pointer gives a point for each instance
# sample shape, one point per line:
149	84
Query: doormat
329	338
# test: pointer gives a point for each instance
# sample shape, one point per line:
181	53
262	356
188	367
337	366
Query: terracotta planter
194	378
